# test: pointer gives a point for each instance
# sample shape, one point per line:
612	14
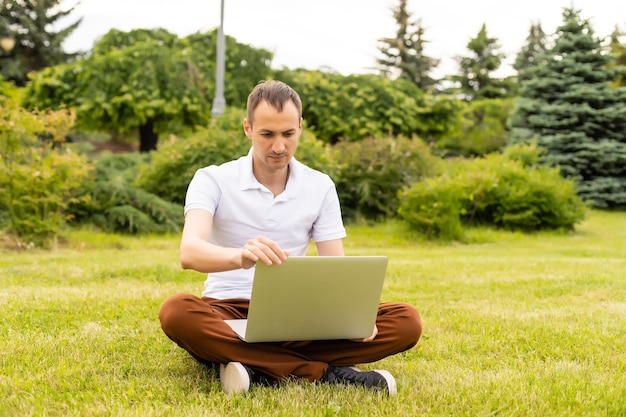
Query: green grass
514	325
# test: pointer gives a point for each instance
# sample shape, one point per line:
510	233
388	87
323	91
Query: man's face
274	136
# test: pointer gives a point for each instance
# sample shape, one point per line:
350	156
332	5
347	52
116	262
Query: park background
499	199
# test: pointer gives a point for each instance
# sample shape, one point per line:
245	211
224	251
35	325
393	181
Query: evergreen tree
475	78
569	107
37	44
404	54
536	45
618	50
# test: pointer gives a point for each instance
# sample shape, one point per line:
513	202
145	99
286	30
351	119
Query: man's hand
264	250
368	339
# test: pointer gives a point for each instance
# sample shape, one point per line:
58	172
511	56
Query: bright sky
343	34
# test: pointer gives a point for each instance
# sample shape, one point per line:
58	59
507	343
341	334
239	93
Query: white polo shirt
243	209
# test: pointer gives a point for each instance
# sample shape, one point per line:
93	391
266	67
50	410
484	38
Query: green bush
432	207
38	173
368	174
482	128
496	190
175	162
116	205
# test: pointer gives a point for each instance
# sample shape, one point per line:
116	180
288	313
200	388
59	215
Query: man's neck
276	181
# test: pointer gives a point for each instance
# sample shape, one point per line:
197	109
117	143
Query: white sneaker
234	378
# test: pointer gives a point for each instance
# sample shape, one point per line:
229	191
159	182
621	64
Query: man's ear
247	128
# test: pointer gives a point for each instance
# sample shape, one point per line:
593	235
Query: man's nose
278	146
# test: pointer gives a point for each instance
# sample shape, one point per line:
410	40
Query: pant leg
197	325
399	329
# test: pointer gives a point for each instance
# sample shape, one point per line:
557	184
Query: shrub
482	128
116	205
176	161
38	175
495	190
369	174
432	207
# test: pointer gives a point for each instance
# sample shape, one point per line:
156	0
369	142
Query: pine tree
536	45
37	45
404	54
618	50
475	79
570	109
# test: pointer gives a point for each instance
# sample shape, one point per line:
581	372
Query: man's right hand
262	249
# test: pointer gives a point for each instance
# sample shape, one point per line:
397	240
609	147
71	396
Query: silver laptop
314	298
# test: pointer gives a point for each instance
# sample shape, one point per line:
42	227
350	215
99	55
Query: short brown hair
275	93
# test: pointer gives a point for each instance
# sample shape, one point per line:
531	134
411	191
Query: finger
259	251
248	258
274	247
373	336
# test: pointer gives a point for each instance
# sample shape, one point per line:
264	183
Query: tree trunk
148	138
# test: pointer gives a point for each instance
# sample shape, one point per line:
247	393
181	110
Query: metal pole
219	102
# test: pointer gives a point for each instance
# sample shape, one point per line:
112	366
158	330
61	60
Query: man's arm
330	248
198	254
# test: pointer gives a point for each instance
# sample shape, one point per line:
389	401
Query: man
264	207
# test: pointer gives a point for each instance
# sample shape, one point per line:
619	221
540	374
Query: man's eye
266	135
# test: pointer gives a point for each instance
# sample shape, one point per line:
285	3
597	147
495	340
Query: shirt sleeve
329	223
203	192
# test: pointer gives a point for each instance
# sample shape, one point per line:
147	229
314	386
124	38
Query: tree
138	80
148	81
569	107
618	50
37	44
244	65
404	54
482	129
536	45
475	79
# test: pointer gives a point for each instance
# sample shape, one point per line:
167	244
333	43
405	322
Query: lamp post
7	41
219	102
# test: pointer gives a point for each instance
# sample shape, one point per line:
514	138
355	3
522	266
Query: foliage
136	80
499	190
355	107
37	45
475	77
404	55
115	204
372	171
148	80
618	50
10	91
55	87
38	175
531	53
571	110
483	128
244	65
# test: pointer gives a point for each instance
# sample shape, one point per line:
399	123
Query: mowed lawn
514	325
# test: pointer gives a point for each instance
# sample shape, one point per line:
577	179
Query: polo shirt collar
247	180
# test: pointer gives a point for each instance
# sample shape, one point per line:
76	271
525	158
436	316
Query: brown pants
197	325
